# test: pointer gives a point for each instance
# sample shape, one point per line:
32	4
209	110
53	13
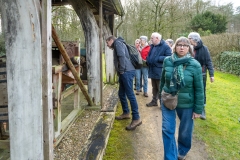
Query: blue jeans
185	131
138	79
126	89
145	78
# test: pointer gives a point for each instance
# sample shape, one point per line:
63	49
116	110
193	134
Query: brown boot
145	95
133	125
151	104
137	93
123	116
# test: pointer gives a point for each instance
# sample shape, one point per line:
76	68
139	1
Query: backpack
134	56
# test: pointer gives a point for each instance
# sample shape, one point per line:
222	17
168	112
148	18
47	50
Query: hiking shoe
145	95
133	125
151	104
181	157
203	115
137	93
123	116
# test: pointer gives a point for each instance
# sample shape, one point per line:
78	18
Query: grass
220	132
119	143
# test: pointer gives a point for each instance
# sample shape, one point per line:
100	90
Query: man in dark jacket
202	55
126	73
158	52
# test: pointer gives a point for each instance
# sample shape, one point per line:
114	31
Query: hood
199	45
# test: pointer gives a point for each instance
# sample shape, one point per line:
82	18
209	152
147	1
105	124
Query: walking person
170	42
158	52
126	73
138	74
144	70
202	55
181	75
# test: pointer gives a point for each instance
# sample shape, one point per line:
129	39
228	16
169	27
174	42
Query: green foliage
228	62
218	43
208	21
67	24
2	45
221	130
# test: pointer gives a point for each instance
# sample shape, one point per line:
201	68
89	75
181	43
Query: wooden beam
70	65
22	27
101	47
48	132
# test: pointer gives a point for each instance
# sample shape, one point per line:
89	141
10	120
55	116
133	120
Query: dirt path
148	143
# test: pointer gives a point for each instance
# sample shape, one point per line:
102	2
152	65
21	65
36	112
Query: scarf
177	78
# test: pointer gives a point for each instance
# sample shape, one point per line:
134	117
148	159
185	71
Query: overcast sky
236	3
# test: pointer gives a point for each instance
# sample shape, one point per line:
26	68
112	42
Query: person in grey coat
202	55
126	73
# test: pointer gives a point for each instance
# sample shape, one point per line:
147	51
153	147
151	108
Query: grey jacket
121	59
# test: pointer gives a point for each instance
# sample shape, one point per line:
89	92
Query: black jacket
202	55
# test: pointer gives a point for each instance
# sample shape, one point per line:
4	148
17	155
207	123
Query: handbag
169	100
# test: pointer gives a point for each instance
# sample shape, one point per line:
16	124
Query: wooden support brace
70	65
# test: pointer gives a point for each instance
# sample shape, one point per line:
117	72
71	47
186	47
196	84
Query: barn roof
109	6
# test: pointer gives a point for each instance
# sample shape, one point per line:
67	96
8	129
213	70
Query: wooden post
48	132
24	78
101	50
57	85
91	32
70	65
110	69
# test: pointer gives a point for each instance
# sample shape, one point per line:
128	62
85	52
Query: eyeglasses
182	45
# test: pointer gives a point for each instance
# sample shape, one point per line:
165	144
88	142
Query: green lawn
221	130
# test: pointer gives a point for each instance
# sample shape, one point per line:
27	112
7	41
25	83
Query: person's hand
211	79
195	115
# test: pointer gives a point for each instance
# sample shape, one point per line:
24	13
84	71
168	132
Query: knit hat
144	38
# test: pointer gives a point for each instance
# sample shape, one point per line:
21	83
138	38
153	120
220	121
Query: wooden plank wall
24	67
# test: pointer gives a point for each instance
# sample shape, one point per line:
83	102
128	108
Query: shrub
228	62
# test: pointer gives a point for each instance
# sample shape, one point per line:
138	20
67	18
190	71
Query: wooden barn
38	65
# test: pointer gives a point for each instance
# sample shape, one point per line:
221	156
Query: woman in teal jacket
184	74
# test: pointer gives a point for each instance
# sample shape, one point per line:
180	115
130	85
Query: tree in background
67	24
208	21
172	18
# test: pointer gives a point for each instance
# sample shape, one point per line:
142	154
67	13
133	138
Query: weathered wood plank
69	91
24	69
57	85
91	32
48	132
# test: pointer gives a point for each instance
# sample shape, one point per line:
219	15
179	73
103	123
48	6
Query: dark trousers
155	89
126	91
204	87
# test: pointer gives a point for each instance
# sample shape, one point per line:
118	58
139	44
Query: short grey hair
194	36
170	41
156	34
145	38
184	40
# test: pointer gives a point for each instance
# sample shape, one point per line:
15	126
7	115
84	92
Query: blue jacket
121	59
155	59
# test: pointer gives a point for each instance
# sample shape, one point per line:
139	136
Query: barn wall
24	77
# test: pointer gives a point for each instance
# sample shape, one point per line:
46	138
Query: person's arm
120	50
198	90
209	65
167	52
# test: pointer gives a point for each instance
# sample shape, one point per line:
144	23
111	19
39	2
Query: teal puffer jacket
191	95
